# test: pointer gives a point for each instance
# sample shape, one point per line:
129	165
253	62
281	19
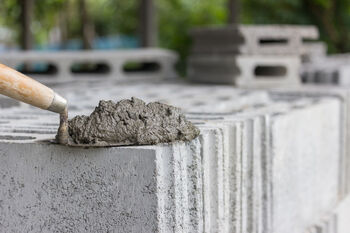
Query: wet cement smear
131	122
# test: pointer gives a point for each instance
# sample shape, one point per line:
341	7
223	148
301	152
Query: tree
87	27
233	8
148	32
26	21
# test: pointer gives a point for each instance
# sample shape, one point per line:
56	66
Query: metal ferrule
58	104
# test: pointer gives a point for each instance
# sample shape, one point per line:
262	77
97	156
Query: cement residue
131	122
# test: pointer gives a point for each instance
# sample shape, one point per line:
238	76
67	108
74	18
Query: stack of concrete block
249	55
266	161
320	68
332	69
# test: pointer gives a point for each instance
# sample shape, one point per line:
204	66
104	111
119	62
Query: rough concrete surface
132	122
63	189
305	173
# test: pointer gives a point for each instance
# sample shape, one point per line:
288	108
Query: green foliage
331	16
177	17
115	16
46	13
44	17
10	13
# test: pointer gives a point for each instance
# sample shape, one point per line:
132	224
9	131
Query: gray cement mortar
131	122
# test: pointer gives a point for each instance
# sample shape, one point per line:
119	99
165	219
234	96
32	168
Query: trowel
160	123
20	87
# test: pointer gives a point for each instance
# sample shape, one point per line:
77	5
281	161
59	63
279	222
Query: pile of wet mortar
131	122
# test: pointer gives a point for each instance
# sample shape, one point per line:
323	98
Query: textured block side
294	147
213	197
58	189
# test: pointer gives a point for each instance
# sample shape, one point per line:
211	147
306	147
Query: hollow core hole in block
272	41
276	71
141	67
90	68
37	68
308	40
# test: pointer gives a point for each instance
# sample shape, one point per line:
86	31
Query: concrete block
155	64
53	188
245	71
344	76
263	71
327	70
252	39
141	189
218	69
320	73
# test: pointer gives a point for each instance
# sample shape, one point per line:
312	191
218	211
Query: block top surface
21	123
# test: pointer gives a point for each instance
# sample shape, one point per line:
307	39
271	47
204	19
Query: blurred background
119	24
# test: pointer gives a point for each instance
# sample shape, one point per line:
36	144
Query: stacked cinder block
120	65
266	161
328	70
249	55
320	68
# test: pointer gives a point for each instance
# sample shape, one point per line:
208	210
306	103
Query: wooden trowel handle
20	87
